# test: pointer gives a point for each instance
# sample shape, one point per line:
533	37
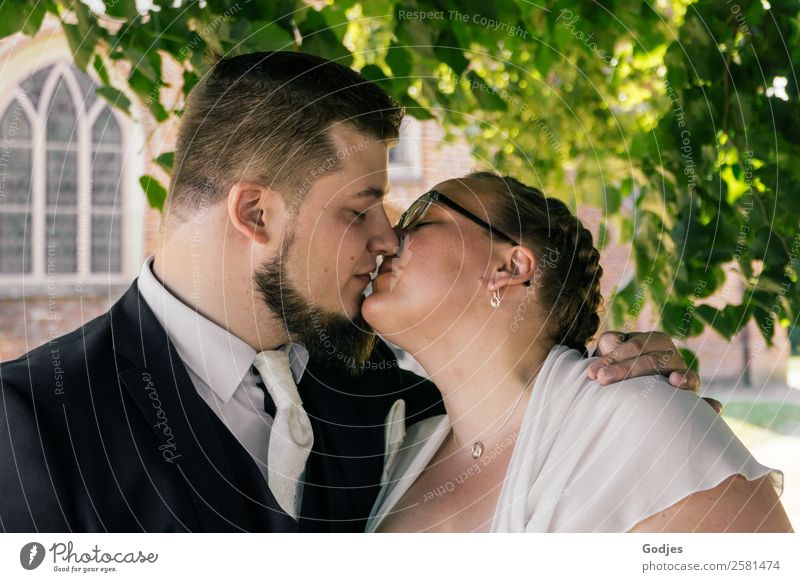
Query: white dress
589	458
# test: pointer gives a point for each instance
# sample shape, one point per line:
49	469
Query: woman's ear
518	268
255	211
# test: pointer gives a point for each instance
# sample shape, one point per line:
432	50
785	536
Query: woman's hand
642	354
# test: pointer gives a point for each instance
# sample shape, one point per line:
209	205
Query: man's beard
329	337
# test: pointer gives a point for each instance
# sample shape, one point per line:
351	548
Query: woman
495	292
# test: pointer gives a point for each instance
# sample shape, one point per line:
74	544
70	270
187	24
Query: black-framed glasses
420	207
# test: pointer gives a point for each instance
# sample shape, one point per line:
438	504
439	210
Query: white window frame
22	59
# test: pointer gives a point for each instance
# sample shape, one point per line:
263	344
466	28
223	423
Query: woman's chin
372	309
378	311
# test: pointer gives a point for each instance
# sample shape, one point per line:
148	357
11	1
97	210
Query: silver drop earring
495	301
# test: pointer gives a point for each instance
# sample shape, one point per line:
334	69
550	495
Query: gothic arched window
62	186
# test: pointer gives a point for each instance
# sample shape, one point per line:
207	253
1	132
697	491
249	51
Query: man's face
341	227
338	230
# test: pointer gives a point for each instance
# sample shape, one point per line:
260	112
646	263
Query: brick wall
29	322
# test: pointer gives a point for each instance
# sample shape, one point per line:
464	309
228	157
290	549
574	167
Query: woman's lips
386	266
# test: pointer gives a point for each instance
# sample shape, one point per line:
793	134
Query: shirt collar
216	356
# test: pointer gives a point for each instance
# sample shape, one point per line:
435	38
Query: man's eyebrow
371	192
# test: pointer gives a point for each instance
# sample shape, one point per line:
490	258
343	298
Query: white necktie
291	437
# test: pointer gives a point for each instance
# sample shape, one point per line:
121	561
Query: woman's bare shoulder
735	505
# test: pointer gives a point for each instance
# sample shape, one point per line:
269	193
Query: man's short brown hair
265	117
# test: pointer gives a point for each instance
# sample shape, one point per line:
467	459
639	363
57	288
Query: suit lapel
164	394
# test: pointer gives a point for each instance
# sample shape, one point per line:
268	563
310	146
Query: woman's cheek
426	266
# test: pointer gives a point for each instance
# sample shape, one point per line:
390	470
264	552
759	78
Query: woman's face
439	275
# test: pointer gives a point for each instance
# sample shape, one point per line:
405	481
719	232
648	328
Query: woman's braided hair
567	279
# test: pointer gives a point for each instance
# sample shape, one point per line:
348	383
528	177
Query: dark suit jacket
103	430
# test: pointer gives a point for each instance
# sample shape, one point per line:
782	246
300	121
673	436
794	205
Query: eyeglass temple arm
460	209
439	197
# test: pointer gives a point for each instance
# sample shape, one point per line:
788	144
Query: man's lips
365	278
387	266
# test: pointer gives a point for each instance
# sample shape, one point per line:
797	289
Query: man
235	386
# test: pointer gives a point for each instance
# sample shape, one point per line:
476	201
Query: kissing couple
244	381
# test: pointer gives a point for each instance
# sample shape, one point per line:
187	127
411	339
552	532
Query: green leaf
36	14
690	358
680	320
765	320
545	57
149	92
768	246
268	36
612	198
116	98
166	161
727	321
82	47
122	9
602	236
626	304
414	109
399	60
319	39
701	51
736	317
373	73
100	69
416	33
448	50
281	12
13	18
336	19
155	192
190	79
86	36
485	93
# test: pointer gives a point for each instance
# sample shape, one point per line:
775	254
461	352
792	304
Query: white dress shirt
219	364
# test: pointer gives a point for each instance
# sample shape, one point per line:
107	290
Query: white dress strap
422	441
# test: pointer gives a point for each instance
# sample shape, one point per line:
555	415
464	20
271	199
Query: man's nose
385	240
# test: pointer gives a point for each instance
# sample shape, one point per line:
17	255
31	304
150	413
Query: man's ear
518	267
255	210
